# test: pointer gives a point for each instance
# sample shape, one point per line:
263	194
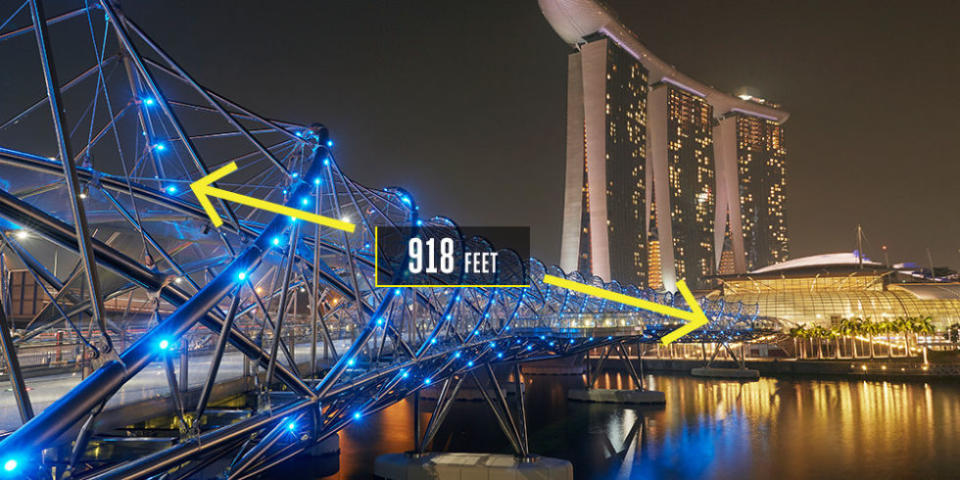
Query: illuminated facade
685	210
762	187
700	144
604	208
825	293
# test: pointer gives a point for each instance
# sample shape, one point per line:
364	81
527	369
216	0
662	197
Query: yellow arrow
202	189
695	316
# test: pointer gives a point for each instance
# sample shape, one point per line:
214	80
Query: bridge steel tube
13	364
69	169
61	234
103	383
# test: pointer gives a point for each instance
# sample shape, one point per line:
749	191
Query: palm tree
868	328
886	327
800	331
903	327
922	326
848	327
819	333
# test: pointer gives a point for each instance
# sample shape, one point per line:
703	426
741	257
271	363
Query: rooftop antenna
859	247
933	274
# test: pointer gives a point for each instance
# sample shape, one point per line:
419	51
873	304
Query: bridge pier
456	466
639	395
741	372
420	464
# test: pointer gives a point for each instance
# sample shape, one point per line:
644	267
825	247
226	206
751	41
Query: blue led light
398	292
405	374
543	337
476	332
529	347
160	147
284	191
499	354
316	181
172	189
292	425
242	276
571	340
356	415
10	465
149	101
433	340
405	199
299	134
163	344
329	143
295	174
493	344
350	362
275	241
470	363
326	161
426	381
551	344
305	201
456	355
590	339
379	321
419	223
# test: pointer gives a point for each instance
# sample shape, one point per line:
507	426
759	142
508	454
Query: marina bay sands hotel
666	177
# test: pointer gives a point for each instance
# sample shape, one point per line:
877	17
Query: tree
921	326
798	332
886	327
868	328
819	333
903	327
848	327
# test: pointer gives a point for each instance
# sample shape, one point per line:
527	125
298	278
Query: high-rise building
714	163
762	186
604	209
681	154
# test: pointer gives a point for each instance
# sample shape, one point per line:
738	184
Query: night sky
462	103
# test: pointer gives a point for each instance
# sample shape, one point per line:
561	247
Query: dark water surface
774	428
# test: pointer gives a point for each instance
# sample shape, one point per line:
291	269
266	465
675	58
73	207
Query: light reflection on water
783	428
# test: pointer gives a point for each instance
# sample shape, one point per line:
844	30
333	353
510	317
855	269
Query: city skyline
835	133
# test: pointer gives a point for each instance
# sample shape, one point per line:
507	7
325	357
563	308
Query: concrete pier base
555	366
734	373
601	395
469	466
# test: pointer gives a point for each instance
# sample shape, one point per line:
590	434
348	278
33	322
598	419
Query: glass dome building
824	289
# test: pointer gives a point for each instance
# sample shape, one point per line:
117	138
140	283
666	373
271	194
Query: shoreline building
823	290
642	136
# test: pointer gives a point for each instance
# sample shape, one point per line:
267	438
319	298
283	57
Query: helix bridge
101	134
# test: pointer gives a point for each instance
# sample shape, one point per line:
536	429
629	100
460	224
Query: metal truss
97	149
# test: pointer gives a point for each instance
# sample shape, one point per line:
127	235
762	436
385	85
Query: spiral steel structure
98	146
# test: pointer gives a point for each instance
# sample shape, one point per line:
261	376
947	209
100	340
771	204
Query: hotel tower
665	176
